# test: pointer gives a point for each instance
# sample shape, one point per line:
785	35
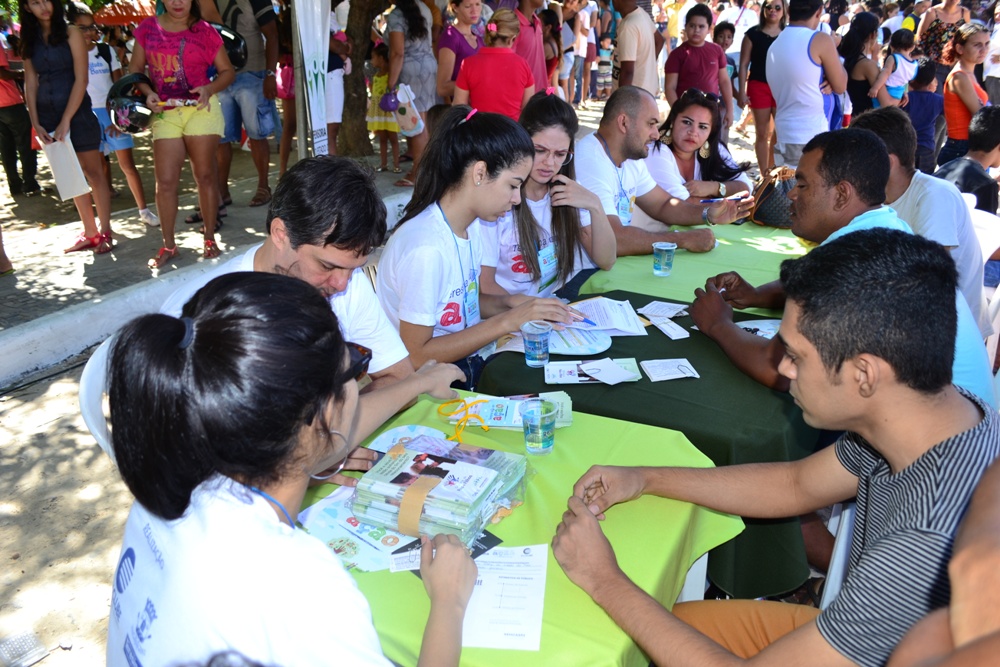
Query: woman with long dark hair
963	96
429	272
559	226
179	47
56	69
754	90
858	48
220	418
412	61
688	160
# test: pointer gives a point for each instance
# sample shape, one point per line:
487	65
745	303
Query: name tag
624	208
472	304
548	263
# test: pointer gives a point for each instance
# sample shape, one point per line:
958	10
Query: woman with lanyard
429	273
963	96
220	419
563	222
753	87
55	91
458	42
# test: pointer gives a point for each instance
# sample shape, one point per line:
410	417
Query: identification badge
624	208
472	304
548	263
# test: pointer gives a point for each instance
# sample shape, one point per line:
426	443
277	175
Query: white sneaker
149	218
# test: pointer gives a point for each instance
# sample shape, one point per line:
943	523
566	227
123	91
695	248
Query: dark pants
15	141
952	150
925	160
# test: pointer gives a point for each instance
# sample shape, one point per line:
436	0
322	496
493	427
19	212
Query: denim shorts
244	104
110	143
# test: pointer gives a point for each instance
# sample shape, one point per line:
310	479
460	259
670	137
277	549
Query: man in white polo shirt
324	220
610	164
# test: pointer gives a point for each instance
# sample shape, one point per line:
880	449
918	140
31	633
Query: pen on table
579	317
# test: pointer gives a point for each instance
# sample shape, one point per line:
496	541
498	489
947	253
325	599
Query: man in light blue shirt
840	188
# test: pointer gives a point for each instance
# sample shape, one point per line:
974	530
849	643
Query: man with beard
841	181
610	164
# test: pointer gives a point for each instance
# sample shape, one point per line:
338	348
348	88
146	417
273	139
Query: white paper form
668	369
615	318
663	309
509	598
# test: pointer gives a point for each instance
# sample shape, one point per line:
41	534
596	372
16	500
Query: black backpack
104	51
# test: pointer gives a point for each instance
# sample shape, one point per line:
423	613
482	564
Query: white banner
313	19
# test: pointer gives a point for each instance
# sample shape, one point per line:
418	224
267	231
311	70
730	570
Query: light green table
753	251
656	541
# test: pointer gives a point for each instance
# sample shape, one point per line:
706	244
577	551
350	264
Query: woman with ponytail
495	79
219	420
429	273
559	228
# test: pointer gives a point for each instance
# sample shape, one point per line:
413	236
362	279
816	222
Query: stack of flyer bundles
428	486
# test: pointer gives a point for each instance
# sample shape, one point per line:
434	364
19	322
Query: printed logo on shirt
144	622
130	655
452	315
518	265
126	567
147	530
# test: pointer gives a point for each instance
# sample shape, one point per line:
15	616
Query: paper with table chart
615	318
567	341
508	600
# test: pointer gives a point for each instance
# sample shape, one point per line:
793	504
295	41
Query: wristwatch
722	189
268	73
704	216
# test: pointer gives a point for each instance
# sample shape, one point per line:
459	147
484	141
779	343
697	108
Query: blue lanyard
458	253
264	494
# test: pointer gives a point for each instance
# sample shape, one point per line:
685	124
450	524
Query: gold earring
705	150
667	138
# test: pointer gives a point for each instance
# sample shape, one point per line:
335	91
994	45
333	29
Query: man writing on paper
323	222
861	356
841	182
610	164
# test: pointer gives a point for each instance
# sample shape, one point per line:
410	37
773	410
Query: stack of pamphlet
430	485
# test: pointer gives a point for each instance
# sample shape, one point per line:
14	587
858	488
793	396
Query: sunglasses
773	8
697	94
360	357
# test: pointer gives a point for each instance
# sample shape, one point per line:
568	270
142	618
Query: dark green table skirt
725	414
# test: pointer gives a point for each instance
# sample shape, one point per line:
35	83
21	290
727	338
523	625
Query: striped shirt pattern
903	535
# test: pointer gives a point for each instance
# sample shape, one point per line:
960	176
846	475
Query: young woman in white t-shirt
559	226
220	418
428	279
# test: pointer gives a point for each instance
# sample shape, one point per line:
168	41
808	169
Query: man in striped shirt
869	329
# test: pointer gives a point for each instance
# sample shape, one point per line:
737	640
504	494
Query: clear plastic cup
539	420
536	342
663	258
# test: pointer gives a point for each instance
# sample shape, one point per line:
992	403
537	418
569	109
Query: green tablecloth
753	251
725	414
656	541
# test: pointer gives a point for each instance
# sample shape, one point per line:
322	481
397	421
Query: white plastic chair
394	205
842	524
93	385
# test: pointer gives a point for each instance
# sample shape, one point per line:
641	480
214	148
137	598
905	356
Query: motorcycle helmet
235	45
127	106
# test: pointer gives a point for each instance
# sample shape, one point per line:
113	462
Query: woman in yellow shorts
178	48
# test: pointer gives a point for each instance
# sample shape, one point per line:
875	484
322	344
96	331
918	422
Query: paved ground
62	505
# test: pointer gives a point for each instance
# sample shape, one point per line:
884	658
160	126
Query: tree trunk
353	137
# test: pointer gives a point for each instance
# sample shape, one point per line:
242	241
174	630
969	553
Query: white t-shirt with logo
361	319
429	277
229	575
502	249
617	187
99	82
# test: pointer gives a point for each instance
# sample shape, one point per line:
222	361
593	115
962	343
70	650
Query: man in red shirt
528	44
698	63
